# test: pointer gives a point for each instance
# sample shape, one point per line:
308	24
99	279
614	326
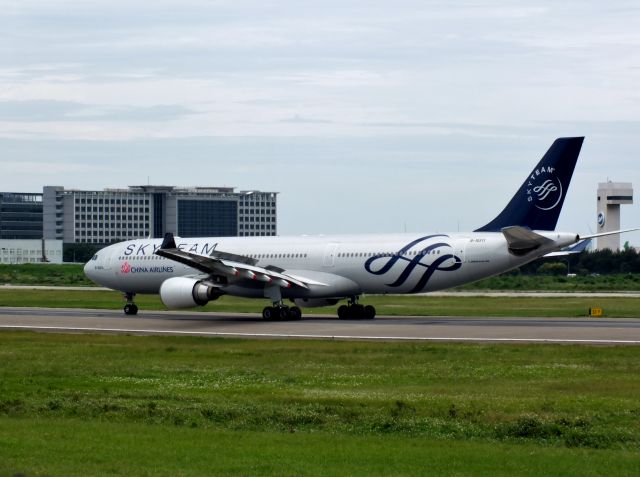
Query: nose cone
90	270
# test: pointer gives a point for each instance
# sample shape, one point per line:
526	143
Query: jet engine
315	302
182	292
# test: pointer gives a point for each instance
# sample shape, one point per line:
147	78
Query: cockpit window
95	257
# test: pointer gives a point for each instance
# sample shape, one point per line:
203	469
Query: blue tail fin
538	202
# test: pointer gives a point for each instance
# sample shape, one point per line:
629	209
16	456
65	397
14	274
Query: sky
366	116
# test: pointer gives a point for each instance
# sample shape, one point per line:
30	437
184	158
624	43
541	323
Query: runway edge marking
307	336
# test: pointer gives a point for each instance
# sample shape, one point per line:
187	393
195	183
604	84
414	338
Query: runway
446	293
456	329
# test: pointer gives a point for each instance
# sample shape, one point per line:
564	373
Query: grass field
44	274
407	305
130	405
73	275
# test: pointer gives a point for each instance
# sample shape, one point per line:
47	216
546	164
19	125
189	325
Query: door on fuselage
330	253
476	250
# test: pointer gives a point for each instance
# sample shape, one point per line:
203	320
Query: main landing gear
355	311
130	308
281	312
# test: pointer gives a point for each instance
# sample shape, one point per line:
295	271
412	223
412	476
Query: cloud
367	97
45	110
51	110
296	119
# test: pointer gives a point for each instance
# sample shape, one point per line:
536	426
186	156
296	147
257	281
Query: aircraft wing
231	265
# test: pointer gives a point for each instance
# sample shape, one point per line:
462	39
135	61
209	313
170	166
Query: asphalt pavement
402	328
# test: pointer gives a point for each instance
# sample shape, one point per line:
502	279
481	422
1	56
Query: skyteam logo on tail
544	188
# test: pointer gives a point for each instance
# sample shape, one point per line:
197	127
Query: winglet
168	241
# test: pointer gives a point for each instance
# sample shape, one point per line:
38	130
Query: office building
20	215
14	251
112	215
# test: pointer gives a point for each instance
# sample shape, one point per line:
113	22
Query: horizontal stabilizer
521	240
577	248
613	232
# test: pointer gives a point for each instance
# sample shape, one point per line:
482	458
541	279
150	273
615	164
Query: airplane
313	271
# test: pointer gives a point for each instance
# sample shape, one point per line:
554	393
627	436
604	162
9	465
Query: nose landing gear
130	308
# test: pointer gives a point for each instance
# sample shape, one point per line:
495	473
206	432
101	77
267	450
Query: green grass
73	275
539	282
131	405
408	305
44	274
70	448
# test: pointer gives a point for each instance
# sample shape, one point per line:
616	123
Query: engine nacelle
315	302
182	292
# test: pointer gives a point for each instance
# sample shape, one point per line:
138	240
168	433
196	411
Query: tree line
601	262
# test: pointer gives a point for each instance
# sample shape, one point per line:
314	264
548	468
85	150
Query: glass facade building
112	215
192	216
20	215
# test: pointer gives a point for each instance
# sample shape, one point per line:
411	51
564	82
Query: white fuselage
376	264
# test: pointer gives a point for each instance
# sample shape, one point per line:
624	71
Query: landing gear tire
130	309
356	312
283	312
268	313
369	312
295	313
343	312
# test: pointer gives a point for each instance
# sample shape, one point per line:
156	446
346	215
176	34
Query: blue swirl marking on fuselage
415	261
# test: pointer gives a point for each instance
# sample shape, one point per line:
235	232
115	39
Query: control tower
610	196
